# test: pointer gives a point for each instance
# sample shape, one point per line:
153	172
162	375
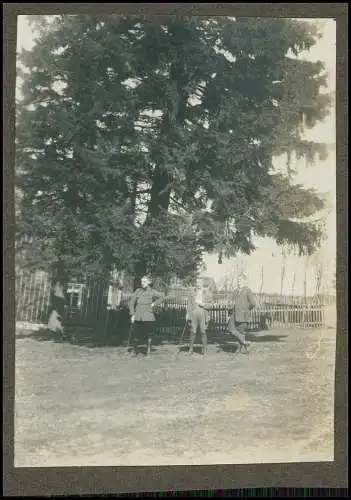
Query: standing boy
240	317
198	315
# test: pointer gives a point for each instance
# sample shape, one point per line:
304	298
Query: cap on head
242	279
145	281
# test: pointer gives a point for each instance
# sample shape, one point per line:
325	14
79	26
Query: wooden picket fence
32	297
87	304
261	318
87	300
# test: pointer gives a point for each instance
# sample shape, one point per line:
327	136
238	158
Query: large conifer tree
143	142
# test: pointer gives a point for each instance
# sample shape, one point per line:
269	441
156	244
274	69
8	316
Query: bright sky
321	176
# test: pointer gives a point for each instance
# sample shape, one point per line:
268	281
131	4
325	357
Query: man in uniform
142	305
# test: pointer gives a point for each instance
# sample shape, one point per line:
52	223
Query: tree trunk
57	297
160	193
97	302
162	178
133	198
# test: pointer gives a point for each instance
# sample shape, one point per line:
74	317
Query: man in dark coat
142	304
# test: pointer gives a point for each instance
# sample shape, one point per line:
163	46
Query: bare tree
320	264
227	282
261	285
307	264
283	272
319	272
294	277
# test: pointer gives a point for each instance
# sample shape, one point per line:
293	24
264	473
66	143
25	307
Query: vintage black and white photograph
175	240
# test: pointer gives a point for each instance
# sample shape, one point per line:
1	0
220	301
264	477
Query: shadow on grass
231	347
83	336
184	349
265	338
89	337
95	337
229	344
224	339
141	349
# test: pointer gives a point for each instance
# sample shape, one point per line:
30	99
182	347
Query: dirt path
80	406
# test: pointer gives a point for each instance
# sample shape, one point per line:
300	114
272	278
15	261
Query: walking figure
142	304
198	315
239	319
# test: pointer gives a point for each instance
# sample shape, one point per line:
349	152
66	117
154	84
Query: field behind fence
87	304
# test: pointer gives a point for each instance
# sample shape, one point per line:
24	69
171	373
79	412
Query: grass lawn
79	406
